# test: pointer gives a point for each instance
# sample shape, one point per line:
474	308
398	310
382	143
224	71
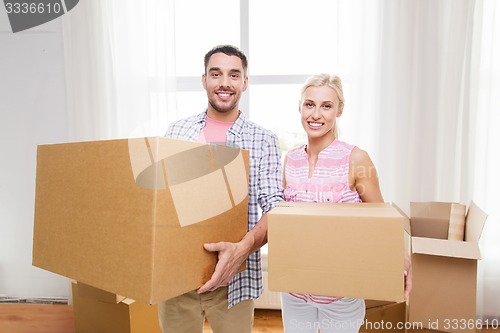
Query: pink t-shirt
214	131
329	183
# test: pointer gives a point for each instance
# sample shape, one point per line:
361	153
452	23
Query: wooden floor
30	318
42	318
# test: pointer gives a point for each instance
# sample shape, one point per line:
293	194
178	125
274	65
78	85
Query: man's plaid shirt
265	185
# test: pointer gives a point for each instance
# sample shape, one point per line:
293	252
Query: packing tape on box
204	180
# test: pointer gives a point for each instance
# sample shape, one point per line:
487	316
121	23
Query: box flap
128	301
439	210
429	227
474	223
430	219
407	225
445	248
87	291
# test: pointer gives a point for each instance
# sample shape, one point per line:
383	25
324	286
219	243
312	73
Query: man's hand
232	255
230	258
408	275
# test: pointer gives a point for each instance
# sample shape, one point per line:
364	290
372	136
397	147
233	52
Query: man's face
224	82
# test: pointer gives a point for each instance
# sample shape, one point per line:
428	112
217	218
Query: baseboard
39	300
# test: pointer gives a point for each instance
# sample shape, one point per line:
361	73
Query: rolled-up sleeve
270	181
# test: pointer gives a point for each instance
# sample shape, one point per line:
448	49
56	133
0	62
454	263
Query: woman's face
319	110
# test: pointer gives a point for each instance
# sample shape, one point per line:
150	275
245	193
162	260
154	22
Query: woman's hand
408	275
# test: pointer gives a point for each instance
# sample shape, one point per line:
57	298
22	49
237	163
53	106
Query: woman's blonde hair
332	81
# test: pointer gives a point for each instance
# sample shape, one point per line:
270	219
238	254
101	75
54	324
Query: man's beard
224	109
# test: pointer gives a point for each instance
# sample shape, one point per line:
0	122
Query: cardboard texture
86	291
369	303
343	249
131	216
385	318
430	219
443	297
127	316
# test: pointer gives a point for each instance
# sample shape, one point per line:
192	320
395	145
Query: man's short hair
229	50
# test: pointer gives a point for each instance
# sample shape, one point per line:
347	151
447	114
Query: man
226	300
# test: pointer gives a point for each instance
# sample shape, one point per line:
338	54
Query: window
285	43
276	68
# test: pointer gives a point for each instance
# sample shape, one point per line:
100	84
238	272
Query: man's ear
245	83
204	81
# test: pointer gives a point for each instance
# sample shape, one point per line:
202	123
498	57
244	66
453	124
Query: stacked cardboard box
338	249
97	311
131	216
384	317
444	271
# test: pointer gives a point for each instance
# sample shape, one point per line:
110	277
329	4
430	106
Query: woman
326	170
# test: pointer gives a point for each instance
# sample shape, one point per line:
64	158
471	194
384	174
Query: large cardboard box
338	249
443	297
131	216
98	315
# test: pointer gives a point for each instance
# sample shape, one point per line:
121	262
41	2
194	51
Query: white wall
32	112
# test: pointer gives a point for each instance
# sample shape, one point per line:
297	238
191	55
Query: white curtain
422	73
120	68
437	108
485	94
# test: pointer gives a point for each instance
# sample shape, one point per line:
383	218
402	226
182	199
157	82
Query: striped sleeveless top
328	183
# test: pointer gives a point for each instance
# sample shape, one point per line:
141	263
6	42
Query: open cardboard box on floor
131	216
445	272
97	311
338	249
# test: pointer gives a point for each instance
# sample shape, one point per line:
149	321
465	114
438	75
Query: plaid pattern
265	186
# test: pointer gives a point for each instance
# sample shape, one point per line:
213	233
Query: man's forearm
257	236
